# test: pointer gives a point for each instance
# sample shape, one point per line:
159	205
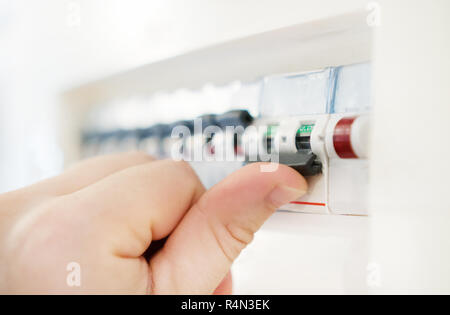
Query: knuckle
241	236
231	238
44	228
184	169
140	156
234	239
183	166
46	239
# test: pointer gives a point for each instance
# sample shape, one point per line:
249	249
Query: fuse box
316	122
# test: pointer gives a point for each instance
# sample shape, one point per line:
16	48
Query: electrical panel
316	122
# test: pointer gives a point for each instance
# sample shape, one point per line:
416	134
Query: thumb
199	253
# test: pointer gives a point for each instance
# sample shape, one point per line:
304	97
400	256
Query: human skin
106	213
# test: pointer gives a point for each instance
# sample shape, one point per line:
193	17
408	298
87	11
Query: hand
104	214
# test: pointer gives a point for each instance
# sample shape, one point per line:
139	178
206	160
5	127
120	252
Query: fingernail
282	195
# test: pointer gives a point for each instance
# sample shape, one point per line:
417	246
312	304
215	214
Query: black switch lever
304	163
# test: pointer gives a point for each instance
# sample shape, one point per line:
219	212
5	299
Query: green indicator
271	130
305	129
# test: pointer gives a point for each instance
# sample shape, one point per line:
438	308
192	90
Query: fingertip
253	185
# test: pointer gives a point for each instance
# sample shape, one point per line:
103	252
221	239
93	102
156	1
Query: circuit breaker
320	124
316	122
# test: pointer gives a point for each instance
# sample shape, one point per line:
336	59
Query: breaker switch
304	163
351	137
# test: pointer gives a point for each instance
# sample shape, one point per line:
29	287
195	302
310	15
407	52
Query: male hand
106	214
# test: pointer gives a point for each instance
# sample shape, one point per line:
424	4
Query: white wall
411	148
50	48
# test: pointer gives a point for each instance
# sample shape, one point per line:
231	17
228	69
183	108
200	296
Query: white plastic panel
305	254
348	186
353	89
348	179
297	94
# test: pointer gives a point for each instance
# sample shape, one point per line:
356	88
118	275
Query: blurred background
52	46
